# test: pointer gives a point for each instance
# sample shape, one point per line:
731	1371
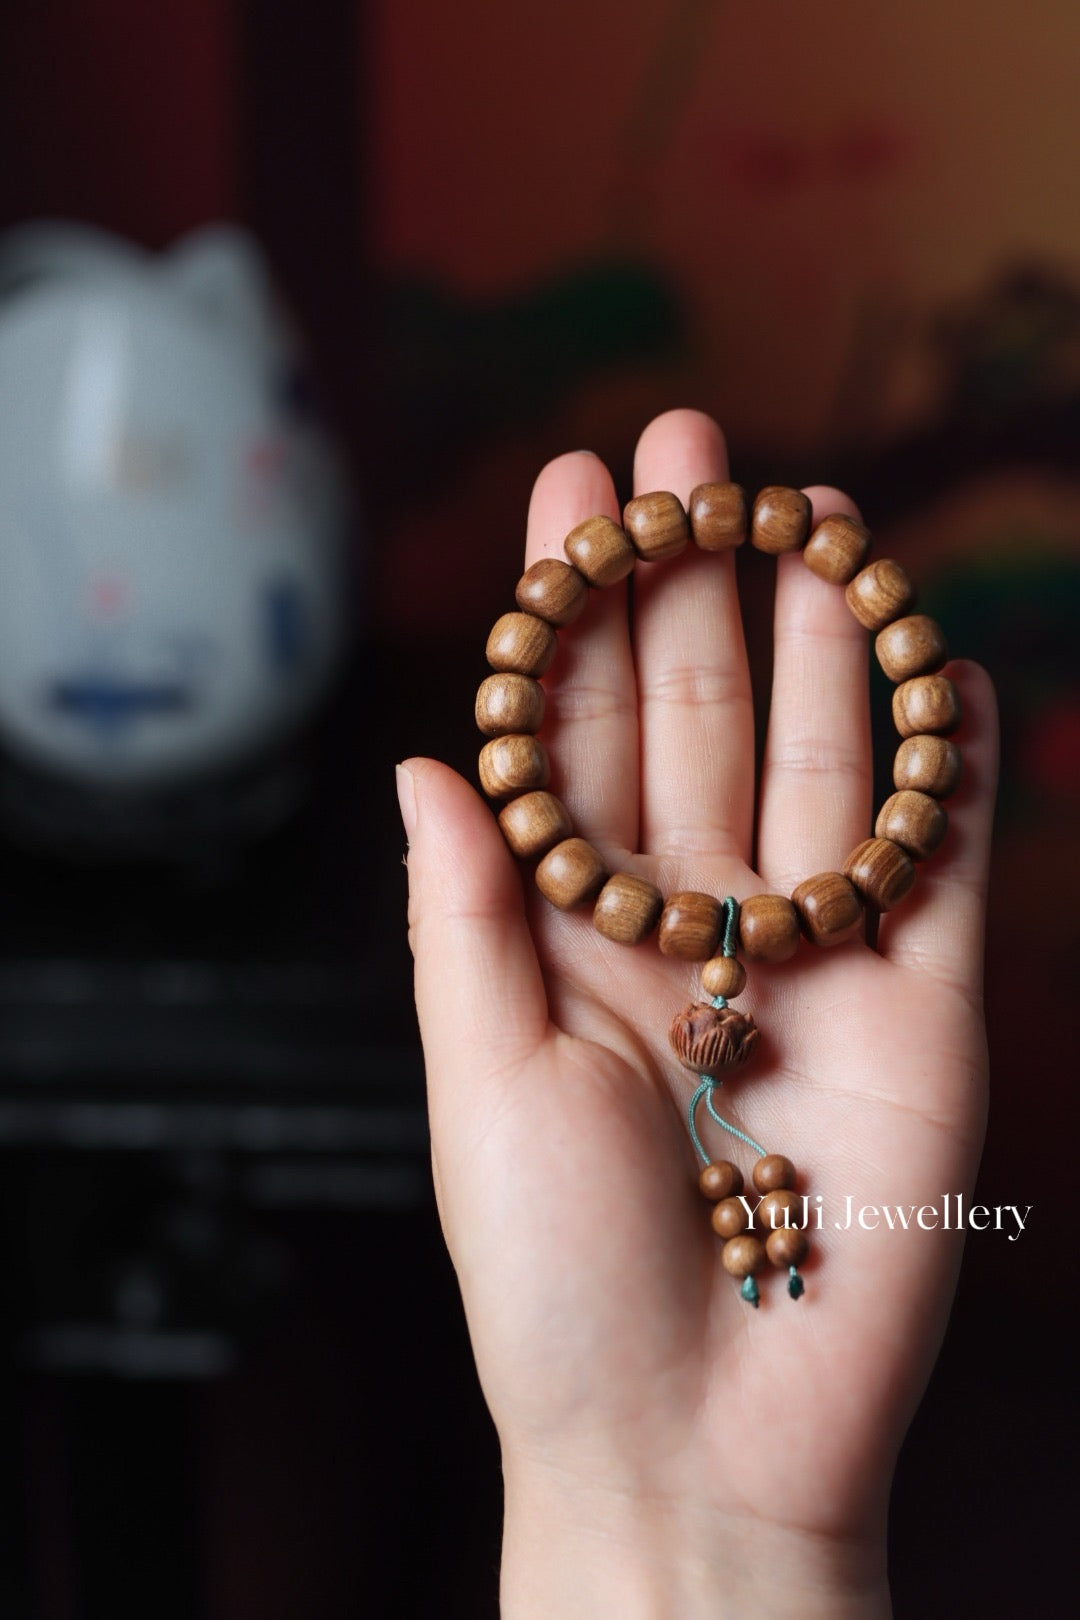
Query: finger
696	708
939	928
592	699
817	777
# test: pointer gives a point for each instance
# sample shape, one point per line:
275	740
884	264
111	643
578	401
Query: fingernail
406	792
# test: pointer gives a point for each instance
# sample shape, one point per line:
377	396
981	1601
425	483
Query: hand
669	1450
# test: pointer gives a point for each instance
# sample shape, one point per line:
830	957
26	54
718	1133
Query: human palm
615	1352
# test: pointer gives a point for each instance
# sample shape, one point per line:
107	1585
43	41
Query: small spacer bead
929	764
881	871
513	764
913	645
915	821
534	823
780	520
837	548
600	550
723	976
768	928
571	873
829	908
553	590
522	643
509	703
628	909
773	1171
743	1255
721	1179
926	703
778	1208
880	593
656	525
729	1217
786	1247
690	926
718	516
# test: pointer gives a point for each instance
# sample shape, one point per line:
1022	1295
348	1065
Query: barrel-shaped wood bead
915	821
743	1256
880	593
729	1218
600	550
829	908
926	703
773	1171
656	525
780	520
571	873
690	926
768	928
627	908
881	871
507	703
513	764
928	764
721	1179
723	976
837	548
553	590
786	1247
913	645
534	823
718	516
522	643
780	1207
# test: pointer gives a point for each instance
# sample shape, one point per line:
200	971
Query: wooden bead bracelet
710	1037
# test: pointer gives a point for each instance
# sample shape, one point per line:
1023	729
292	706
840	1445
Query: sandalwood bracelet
710	1037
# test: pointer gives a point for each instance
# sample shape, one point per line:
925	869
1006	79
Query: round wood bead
786	1247
780	520
881	871
829	908
522	643
768	928
628	908
513	764
656	525
718	516
926	703
742	1256
915	821
534	823
571	873
837	548
928	764
690	926
600	550
773	1171
507	703
723	976
880	593
722	1179
781	1207
913	645
729	1218
553	590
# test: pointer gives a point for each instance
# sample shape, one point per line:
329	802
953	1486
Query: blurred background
236	1382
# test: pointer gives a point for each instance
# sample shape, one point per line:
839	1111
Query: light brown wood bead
786	1247
780	520
781	1207
534	823
723	976
722	1179
729	1218
522	643
743	1256
913	645
926	703
880	593
600	550
768	928
571	873
656	525
717	515
881	871
837	549
829	908
627	909
773	1171
553	590
509	703
915	821
929	764
690	926
513	764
